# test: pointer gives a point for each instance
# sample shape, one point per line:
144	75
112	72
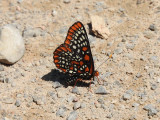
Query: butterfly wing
74	56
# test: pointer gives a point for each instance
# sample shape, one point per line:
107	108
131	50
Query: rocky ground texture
129	85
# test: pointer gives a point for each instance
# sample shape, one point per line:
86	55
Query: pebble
54	13
61	111
52	95
103	106
151	110
152	27
101	90
1	68
76	106
158	80
118	51
100	100
5	118
39	100
153	86
73	116
130	46
7	80
66	1
8	100
149	34
126	96
56	84
139	2
18	103
75	90
63	30
32	32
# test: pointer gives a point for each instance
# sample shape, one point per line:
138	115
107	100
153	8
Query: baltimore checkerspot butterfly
74	56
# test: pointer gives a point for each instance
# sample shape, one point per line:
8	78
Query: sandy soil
131	77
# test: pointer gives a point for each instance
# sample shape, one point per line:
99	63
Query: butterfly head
96	73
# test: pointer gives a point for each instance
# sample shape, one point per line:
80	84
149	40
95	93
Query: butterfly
74	56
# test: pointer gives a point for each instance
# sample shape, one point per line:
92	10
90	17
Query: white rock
99	27
12	46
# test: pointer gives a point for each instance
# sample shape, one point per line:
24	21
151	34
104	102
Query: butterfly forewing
74	56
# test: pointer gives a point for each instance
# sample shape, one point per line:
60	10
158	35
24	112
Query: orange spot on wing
55	56
63	48
64	70
71	30
75	62
57	65
69	49
79	24
70	33
59	50
81	63
74	28
84	48
67	41
69	37
56	61
71	68
79	71
86	69
86	57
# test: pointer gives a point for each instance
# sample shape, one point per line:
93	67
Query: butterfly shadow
57	76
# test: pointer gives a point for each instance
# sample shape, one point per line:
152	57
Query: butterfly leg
76	82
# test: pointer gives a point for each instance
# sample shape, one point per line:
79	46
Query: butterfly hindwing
74	56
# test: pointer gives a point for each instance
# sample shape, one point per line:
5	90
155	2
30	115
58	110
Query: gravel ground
129	85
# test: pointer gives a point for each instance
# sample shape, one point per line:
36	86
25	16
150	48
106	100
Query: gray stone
63	30
126	96
130	46
76	106
75	90
54	13
101	90
33	32
151	110
73	116
118	51
103	106
61	111
153	86
39	100
8	100
66	1
7	80
149	34
19	1
52	95
1	68
18	103
12	46
5	118
100	100
56	84
139	2
152	27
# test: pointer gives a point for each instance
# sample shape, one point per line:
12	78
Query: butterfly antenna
110	56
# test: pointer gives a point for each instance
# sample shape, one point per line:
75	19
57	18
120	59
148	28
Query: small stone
123	40
8	80
135	105
39	100
153	86
118	51
66	1
76	106
149	34
139	2
101	90
61	111
1	68
8	100
5	118
130	46
56	84
75	90
158	80
103	106
151	110
52	95
152	27
54	13
73	116
19	1
100	100
126	96
18	103
63	30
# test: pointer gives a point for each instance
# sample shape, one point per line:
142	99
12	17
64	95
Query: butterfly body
74	56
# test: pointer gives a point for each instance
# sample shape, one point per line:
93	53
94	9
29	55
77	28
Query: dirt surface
131	77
